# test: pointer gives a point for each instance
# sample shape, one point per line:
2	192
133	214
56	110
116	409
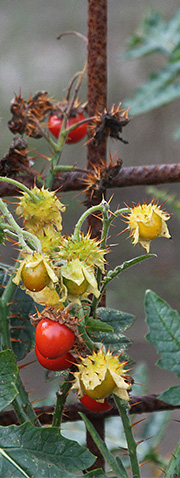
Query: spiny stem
23	407
60	402
91	210
19	231
118	212
132	445
82	330
21	186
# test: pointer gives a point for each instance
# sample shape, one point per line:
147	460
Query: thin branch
139	404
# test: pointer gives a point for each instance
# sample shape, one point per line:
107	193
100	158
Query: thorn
136	403
18	340
25	364
17	327
144	462
32	390
40	400
139	421
145	439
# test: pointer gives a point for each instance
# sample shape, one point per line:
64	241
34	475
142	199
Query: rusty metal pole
97	87
97	97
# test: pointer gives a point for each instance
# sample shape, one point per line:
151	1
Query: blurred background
32	59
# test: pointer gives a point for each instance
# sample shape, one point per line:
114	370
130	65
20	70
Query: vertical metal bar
97	97
97	87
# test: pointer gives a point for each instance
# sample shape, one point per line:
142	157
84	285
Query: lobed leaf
155	35
120	321
164	331
98	325
40	453
158	91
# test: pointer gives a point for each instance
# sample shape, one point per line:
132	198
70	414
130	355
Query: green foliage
23	337
158	91
40	452
96	474
155	34
8	377
165	197
163	86
2	234
97	325
173	469
164	331
116	465
22	332
119	321
172	396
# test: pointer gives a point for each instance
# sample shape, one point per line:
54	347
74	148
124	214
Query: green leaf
173	469
140	376
125	265
164	331
171	396
23	333
98	325
155	35
117	466
40	453
158	91
170	199
155	427
119	321
8	377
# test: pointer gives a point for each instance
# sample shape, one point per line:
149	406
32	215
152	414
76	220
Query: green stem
91	210
5	334
52	172
63	169
60	401
116	466
55	159
23	407
125	265
82	330
21	186
117	213
19	231
132	445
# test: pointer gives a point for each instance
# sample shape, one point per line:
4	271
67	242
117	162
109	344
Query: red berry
60	363
53	339
55	123
95	406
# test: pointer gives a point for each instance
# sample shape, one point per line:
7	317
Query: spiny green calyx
45	210
86	250
101	374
